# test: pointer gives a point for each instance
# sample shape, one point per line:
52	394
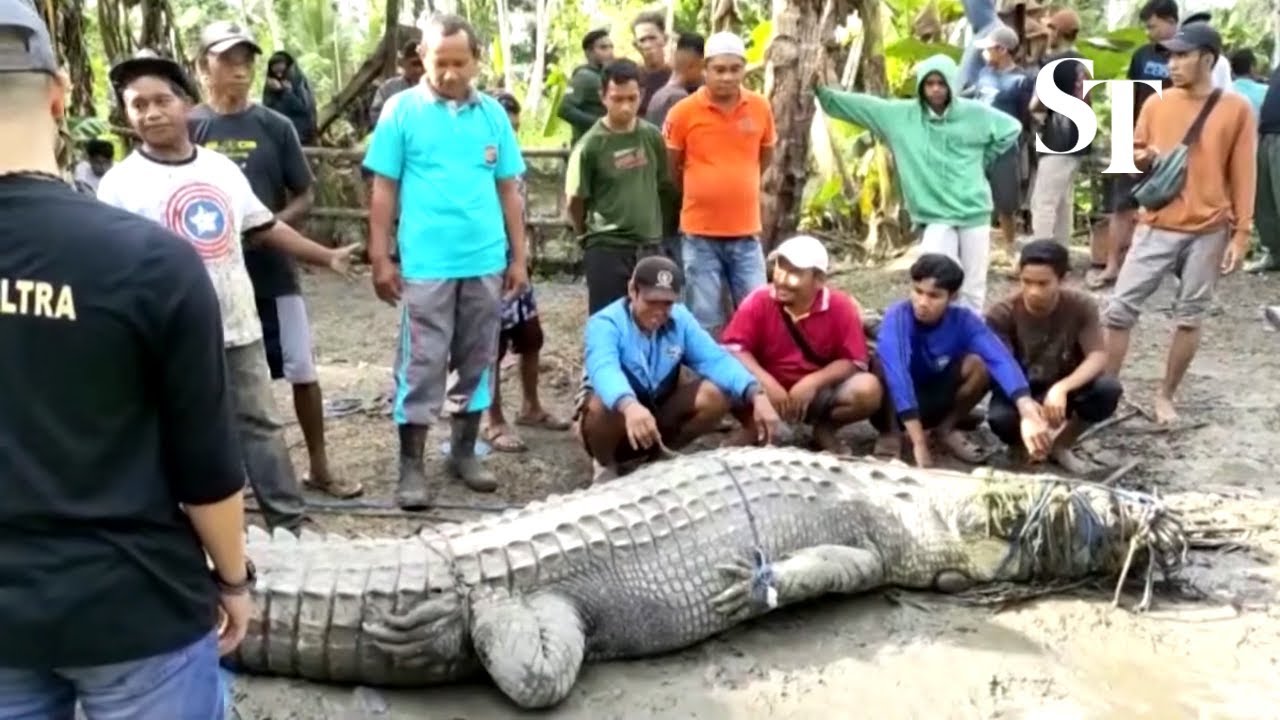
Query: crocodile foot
419	636
805	575
532	647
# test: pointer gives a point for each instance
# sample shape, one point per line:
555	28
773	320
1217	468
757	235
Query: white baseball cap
724	43
804	252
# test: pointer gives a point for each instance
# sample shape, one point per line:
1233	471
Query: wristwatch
244	586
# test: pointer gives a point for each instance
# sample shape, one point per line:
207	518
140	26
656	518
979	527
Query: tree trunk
537	73
65	20
796	58
504	45
390	37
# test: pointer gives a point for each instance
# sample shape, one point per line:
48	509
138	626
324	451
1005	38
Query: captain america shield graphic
201	213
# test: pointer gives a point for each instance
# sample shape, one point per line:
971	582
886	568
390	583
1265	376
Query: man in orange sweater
1204	232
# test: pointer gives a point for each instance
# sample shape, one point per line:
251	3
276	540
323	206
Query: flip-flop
504	440
545	421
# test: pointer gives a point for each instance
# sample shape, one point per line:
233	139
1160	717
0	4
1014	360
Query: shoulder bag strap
1193	133
805	348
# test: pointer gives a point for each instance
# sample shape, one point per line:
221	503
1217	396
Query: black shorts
1005	177
522	338
608	270
1118	192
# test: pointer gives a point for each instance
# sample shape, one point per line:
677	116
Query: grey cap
221	36
32	52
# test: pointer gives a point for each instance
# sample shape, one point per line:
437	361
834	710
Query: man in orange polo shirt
804	342
719	140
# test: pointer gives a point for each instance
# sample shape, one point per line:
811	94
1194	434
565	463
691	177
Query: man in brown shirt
1189	236
1054	334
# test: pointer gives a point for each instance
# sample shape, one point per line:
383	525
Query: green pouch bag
1168	173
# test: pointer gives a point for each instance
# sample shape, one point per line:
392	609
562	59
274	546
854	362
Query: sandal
963	448
502	439
545	421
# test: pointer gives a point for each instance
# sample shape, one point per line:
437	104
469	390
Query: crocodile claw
736	599
414	633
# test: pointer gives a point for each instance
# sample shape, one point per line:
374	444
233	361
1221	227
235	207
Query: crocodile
663	558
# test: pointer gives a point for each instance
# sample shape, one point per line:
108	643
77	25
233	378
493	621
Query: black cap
658	274
1194	36
223	35
1202	16
33	50
150	62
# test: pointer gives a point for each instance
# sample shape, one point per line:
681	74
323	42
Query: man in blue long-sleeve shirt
937	360
636	402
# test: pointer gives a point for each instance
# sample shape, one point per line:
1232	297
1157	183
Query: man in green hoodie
582	105
942	146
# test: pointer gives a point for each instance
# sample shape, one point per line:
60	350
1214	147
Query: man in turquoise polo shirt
451	152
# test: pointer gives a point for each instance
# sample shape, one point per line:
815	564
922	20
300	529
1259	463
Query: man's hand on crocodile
642	428
768	423
1035	431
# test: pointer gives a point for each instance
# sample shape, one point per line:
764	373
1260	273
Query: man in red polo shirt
804	343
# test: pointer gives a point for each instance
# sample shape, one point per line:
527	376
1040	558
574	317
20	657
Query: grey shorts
446	325
1005	177
286	335
1195	260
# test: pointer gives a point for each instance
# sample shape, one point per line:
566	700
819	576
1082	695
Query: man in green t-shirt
616	179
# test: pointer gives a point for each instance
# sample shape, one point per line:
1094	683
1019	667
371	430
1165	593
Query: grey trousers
1266	212
266	456
1195	260
446	325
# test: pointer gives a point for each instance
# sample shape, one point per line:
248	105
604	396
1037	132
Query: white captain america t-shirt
208	202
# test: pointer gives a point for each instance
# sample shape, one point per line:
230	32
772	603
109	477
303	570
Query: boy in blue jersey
637	402
936	360
462	250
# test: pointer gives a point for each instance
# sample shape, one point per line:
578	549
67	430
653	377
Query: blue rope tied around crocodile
763	593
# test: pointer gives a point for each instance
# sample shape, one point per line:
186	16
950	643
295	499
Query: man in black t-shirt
1149	62
265	145
119	468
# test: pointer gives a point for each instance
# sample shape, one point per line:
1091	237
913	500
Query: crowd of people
174	335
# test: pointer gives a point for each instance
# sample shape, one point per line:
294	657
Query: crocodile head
1021	528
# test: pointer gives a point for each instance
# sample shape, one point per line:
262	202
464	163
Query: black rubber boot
462	462
412	489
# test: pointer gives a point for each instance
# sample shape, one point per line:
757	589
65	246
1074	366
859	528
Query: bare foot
889	446
1163	410
824	436
1068	460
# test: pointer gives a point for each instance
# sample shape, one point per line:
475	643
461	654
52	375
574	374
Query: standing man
463	230
1267	210
686	78
122	480
581	105
650	30
99	155
411	71
720	140
616	177
265	145
1149	62
1189	235
1003	85
1053	191
287	91
203	197
942	145
1244	81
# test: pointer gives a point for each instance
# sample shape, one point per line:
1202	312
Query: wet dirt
1068	657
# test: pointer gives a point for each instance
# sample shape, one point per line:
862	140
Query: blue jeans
185	684
708	264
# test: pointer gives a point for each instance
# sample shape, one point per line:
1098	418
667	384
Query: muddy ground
1064	657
